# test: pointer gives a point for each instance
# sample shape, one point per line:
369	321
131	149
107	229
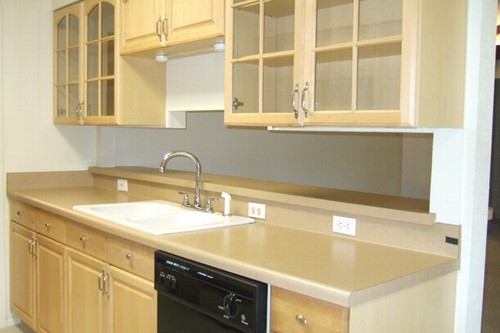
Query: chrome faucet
168	156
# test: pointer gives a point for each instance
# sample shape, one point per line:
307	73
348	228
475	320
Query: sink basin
160	217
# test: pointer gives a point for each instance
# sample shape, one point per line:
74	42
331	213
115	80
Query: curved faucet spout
178	153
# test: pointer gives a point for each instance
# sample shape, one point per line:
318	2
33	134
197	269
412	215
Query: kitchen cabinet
68	283
152	24
68	64
120	297
93	84
37	280
355	63
292	312
88	293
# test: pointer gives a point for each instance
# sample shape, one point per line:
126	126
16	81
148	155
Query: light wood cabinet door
100	62
87	293
191	20
133	303
50	286
295	313
143	25
23	274
68	65
153	24
345	63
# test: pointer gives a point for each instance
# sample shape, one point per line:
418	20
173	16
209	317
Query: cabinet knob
129	255
46	224
18	213
83	239
301	320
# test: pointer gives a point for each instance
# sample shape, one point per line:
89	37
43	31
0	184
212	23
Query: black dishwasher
193	298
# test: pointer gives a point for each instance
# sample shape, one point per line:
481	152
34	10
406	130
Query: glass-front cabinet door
99	85
354	59
262	64
68	65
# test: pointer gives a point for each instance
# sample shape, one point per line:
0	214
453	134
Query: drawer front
21	213
87	240
132	257
292	312
50	225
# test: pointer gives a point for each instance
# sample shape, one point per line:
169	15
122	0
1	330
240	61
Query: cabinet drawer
87	240
50	225
21	213
292	312
135	258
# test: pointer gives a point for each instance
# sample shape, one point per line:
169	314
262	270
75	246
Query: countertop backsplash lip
433	263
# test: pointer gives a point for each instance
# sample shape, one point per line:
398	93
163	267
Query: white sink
160	217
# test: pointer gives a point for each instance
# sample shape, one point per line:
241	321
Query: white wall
30	140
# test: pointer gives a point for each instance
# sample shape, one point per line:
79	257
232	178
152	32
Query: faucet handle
210	202
185	201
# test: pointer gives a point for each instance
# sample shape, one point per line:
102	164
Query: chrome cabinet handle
303	100
100	281
164	27
301	320
158	27
32	247
105	280
294	101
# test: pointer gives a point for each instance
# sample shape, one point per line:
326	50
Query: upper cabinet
94	85
68	64
152	24
345	62
85	63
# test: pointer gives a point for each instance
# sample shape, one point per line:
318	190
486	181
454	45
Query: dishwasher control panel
235	301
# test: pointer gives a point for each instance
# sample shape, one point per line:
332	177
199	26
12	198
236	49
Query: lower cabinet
70	286
103	298
296	313
37	280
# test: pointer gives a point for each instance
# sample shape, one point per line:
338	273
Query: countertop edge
307	287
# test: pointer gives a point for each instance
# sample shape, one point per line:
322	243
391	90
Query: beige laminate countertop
342	271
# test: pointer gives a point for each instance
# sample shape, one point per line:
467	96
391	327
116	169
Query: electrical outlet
344	225
122	185
257	210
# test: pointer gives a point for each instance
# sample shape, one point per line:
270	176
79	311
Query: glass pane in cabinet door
333	80
279	23
92	60
61	33
278	85
246	87
108	98
379	77
74	36
107	20
61	101
93	24
61	67
73	99
108	58
92	106
334	22
246	30
380	18
74	65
